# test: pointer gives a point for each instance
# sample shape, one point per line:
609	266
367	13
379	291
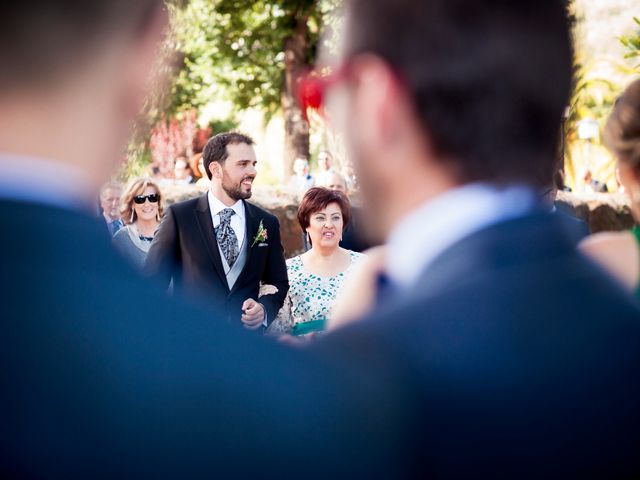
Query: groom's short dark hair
44	39
216	148
489	79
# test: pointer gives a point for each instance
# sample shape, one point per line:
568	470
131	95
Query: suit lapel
252	222
203	217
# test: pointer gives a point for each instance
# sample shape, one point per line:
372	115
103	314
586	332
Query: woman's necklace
141	236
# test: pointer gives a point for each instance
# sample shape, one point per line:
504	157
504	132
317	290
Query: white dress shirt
429	230
237	221
45	182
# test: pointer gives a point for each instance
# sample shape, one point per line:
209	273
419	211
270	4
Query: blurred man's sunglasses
314	85
140	199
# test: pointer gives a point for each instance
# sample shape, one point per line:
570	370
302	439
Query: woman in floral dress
316	276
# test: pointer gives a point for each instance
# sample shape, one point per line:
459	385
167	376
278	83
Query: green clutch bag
308	327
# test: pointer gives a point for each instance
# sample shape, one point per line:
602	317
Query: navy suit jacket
519	358
103	376
185	249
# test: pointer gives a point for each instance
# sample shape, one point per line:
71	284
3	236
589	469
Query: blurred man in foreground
522	358
102	376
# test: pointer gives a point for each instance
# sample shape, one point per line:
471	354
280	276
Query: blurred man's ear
385	113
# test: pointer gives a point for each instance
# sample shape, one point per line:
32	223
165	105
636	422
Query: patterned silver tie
226	237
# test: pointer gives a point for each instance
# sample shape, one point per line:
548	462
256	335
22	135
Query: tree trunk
296	127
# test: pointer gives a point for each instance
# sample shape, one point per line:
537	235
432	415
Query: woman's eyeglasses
140	199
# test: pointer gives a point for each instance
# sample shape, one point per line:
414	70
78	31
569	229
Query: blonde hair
136	188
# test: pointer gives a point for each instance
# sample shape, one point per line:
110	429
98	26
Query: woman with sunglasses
141	212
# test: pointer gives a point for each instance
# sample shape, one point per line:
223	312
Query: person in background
316	276
182	172
353	238
350	176
593	185
325	167
141	212
619	252
576	227
301	181
193	167
521	358
110	194
203	181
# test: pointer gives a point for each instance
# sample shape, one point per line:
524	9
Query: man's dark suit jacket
104	376
185	249
520	357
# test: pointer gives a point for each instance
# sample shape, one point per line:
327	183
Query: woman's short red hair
316	199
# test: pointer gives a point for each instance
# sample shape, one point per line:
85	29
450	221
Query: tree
632	44
250	52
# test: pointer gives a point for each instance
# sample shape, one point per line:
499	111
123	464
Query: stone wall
599	210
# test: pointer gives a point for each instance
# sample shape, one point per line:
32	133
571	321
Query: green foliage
632	44
234	50
138	160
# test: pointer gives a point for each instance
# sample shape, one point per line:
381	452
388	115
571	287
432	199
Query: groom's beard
235	191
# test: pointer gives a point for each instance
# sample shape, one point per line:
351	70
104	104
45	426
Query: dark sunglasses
140	199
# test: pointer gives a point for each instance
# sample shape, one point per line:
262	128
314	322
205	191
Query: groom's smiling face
239	171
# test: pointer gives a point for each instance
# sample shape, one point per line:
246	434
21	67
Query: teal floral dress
310	298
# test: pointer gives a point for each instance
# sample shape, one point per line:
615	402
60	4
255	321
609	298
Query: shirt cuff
265	323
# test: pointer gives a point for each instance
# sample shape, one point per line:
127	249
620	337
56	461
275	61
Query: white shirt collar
46	182
217	206
429	230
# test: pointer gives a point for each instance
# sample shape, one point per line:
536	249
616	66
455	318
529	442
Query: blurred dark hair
216	148
42	39
316	199
489	78
622	130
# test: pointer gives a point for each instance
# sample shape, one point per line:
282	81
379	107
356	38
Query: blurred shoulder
617	252
606	242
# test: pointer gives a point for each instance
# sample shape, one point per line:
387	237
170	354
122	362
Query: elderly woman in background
619	252
316	276
141	213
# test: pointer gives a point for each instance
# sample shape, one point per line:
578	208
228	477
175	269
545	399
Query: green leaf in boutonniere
261	235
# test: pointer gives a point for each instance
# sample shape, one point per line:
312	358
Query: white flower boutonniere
261	235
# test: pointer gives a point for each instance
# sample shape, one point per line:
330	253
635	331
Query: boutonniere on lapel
261	236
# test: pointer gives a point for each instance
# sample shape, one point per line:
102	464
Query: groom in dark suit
220	247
